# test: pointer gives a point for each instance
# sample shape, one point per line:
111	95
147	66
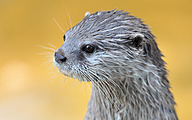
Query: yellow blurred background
28	88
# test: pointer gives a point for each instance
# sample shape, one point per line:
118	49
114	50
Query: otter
117	53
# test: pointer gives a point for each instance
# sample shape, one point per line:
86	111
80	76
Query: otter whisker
108	96
115	84
60	82
88	86
87	78
58	25
101	92
46	53
89	89
85	86
52	68
91	78
112	90
53	77
46	48
106	92
63	83
82	74
47	63
67	13
100	85
106	88
113	94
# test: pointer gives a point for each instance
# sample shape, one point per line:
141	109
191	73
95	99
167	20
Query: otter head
107	45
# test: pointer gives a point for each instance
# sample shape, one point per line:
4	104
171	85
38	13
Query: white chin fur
60	68
63	72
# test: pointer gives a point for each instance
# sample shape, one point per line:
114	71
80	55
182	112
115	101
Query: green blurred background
28	88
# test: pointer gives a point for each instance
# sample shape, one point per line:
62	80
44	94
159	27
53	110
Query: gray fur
128	75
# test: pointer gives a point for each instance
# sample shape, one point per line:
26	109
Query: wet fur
128	75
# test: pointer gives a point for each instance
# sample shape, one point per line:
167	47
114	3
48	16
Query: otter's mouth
61	68
63	72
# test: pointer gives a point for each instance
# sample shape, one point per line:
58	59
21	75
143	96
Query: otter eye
64	37
88	48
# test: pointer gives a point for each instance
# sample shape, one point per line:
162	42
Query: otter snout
60	57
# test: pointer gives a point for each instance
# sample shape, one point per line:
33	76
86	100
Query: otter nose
60	58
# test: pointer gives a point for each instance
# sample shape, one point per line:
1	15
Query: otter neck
132	98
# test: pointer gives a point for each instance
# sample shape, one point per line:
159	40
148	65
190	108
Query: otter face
105	45
73	57
93	60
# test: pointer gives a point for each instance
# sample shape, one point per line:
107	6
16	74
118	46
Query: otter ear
87	13
137	40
